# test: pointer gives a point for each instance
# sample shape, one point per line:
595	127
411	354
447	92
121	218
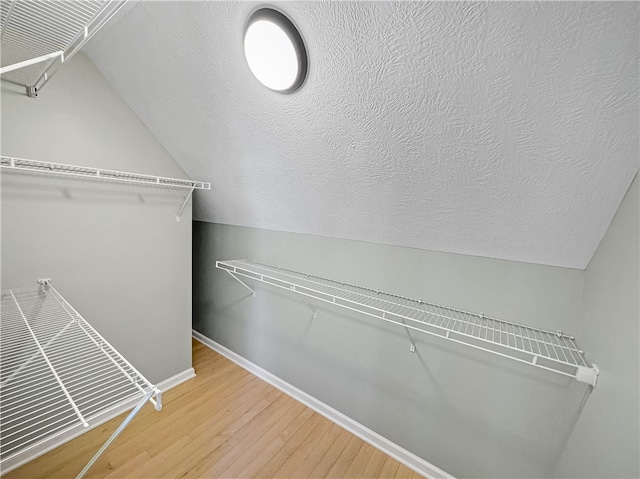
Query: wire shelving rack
74	171
550	350
38	36
57	373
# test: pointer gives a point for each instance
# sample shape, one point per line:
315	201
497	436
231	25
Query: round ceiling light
275	51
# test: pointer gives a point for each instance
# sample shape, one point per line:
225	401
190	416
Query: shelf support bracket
412	346
306	303
184	203
116	433
241	282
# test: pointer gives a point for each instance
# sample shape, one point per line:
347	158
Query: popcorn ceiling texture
493	129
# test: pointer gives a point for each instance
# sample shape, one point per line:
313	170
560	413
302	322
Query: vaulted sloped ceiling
507	130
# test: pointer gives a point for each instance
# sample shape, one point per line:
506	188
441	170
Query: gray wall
115	252
601	439
468	412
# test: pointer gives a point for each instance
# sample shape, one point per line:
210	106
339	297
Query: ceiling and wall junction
506	130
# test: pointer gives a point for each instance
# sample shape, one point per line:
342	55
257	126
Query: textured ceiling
493	129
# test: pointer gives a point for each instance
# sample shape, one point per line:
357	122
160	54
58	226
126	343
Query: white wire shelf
38	36
57	372
22	164
98	173
553	351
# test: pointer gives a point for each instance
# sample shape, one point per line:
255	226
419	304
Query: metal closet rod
549	350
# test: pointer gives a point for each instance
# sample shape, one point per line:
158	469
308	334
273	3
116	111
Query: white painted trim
376	440
72	433
176	379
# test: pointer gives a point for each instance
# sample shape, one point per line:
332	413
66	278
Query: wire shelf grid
56	371
21	164
544	349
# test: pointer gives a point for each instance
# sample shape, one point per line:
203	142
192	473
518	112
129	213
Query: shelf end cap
588	375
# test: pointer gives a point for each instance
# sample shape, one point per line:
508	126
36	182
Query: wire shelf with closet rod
550	350
39	36
58	375
74	171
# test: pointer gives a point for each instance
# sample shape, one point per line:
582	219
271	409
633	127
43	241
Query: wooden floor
224	423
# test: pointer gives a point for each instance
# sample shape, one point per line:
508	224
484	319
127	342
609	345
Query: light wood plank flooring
224	423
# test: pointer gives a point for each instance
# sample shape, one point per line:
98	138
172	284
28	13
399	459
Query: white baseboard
376	440
176	379
73	432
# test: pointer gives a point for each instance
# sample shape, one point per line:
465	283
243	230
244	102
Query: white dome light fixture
275	51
